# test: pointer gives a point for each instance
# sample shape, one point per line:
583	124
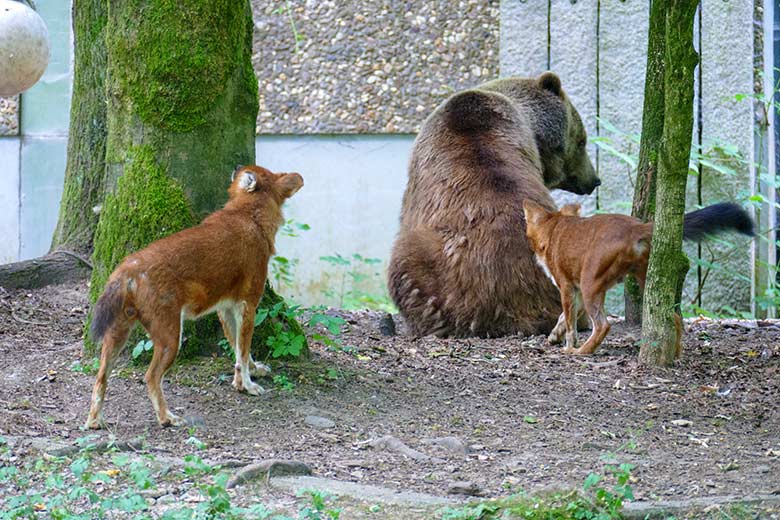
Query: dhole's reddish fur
585	257
219	265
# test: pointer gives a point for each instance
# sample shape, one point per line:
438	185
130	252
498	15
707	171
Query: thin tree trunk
668	264
649	146
86	163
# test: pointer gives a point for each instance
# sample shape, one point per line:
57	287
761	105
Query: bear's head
558	130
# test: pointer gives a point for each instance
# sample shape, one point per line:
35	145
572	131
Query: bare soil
530	417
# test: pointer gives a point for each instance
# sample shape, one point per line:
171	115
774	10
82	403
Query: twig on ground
29	322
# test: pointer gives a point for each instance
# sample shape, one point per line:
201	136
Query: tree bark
652	131
55	268
668	264
181	105
86	166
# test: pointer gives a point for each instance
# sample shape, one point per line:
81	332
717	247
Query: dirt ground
529	417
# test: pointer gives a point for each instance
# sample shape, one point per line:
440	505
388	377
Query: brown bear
461	264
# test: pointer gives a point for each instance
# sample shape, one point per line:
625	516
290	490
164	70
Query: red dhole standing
220	265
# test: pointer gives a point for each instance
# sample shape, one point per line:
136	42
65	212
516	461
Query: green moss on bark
174	57
668	264
652	132
146	206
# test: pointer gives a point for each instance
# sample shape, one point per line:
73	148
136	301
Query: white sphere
24	47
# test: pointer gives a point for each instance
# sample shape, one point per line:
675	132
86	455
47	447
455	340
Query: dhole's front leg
245	324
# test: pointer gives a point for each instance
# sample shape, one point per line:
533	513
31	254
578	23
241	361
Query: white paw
253	388
260	369
555	337
173	420
95	423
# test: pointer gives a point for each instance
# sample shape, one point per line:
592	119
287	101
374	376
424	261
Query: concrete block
9	199
351	199
42	177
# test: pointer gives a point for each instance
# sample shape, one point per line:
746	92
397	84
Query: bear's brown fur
461	264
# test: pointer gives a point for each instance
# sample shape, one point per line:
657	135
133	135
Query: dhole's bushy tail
107	309
725	216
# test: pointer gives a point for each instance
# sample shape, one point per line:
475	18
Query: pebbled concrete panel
368	67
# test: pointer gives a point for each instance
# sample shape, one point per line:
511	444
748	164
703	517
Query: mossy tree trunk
668	263
650	143
181	102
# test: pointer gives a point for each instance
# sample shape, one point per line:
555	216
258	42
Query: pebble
319	422
267	469
465	487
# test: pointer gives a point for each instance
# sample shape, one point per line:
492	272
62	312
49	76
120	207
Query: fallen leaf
682	422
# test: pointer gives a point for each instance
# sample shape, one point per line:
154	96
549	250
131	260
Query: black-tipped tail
718	218
107	308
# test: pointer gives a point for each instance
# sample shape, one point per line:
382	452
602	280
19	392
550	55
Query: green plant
283	383
144	345
358	271
287	9
89	368
325	327
602	498
284	342
282	268
318	507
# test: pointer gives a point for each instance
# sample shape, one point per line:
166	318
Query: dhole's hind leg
594	306
569	301
559	331
113	344
245	323
166	338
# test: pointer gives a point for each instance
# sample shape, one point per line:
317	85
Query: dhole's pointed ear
290	183
572	210
550	82
534	213
247	181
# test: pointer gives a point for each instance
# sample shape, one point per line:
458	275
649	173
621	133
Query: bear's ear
550	82
247	181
